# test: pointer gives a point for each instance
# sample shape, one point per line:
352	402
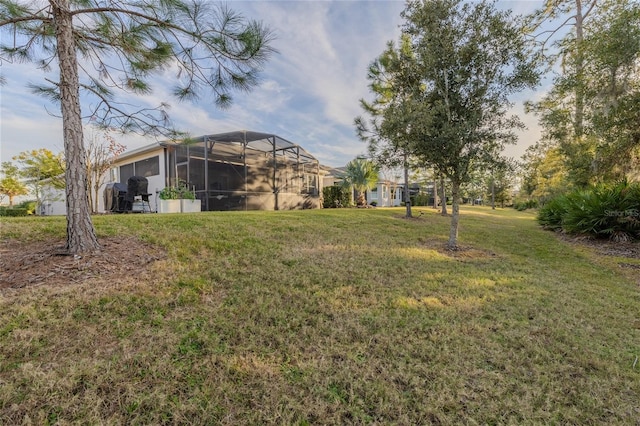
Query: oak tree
470	58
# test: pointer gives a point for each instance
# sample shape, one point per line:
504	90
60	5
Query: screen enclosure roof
259	141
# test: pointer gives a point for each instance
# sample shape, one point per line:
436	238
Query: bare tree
102	151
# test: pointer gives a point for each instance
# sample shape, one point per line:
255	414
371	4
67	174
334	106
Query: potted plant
188	201
169	201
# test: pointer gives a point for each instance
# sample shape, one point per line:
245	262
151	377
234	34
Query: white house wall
52	202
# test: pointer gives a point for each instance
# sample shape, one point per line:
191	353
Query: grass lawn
347	316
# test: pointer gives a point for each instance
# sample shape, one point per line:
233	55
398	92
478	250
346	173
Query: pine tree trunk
452	244
81	237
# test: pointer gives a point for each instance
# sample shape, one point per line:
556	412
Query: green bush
13	212
603	211
335	196
420	200
523	205
551	214
186	193
29	205
181	191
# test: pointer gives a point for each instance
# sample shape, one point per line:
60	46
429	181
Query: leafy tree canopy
10	184
444	96
42	167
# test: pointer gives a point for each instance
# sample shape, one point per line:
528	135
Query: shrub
14	212
420	200
169	193
335	196
550	216
181	191
186	193
29	206
603	211
523	205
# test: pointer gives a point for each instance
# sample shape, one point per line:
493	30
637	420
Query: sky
308	94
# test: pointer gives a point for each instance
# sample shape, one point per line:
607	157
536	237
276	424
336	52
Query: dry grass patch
324	317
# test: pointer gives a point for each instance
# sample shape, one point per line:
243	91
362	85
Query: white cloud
309	93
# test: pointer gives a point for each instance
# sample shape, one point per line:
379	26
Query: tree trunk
407	199
452	244
443	197
435	190
81	236
579	102
493	193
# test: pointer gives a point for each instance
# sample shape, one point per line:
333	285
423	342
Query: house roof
138	151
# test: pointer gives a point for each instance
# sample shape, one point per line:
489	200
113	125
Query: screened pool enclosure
245	170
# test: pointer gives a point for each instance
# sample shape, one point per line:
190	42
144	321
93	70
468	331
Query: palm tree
361	174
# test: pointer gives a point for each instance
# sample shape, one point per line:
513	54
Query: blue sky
309	93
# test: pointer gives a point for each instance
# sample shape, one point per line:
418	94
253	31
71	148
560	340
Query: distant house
242	170
387	193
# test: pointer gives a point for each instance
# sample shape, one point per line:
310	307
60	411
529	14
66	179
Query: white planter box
168	206
190	206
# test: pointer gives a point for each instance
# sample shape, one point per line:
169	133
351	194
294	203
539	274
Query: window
126	172
147	167
309	185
